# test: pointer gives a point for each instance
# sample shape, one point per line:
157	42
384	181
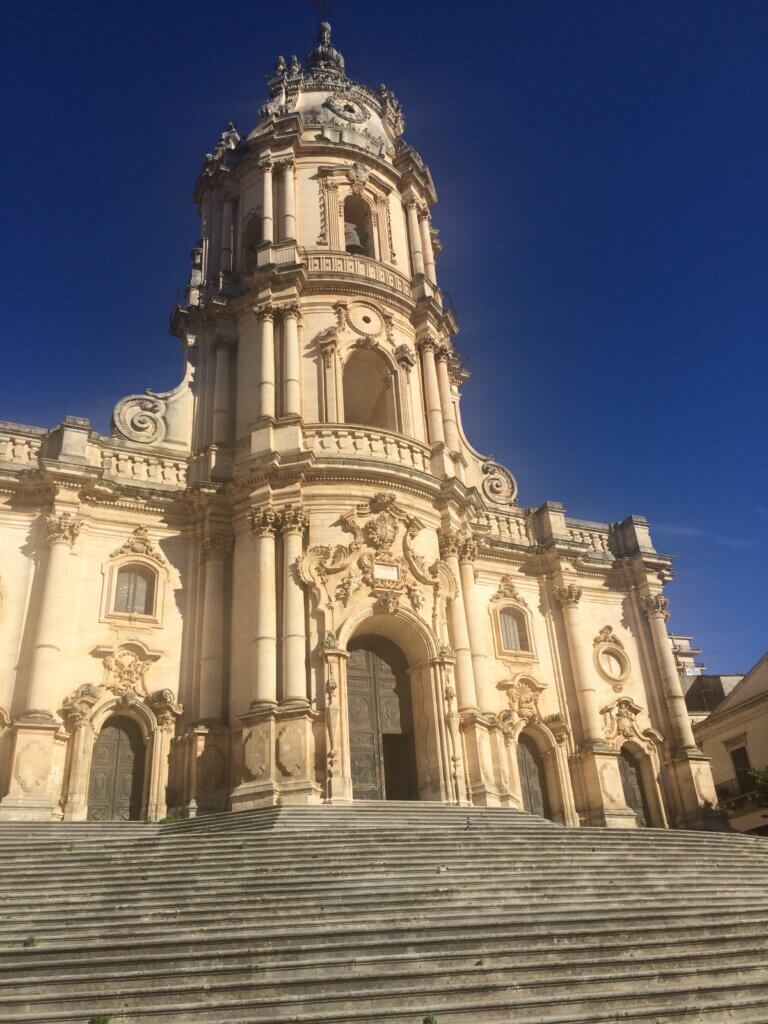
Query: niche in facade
251	241
369	397
358	227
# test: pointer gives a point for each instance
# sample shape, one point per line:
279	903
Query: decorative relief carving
139	543
346	108
125	669
610	659
507	591
358	175
141	418
523	696
405	357
499	486
256	753
63	528
293	519
290	750
32	767
610	784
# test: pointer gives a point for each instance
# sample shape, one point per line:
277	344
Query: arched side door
117	772
533	782
632	784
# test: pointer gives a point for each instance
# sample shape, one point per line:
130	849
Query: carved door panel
117	773
532	778
380	732
632	784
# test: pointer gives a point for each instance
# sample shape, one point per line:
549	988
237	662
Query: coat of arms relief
380	562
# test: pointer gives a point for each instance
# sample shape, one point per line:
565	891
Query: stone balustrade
508	527
346	442
130	467
18	449
594	535
320	262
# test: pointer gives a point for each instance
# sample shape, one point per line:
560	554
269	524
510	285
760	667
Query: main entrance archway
117	772
382	755
632	784
533	779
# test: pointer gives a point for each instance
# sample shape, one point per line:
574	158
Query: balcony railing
324	262
340	441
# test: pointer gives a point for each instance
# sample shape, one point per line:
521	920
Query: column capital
424	213
427	344
62	528
264	311
216	546
285	163
263	521
450	542
468	550
656	606
568	596
290	309
293	519
442	354
265	165
405	358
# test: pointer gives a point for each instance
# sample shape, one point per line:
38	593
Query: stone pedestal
34	785
689	780
602	793
200	759
478	740
277	758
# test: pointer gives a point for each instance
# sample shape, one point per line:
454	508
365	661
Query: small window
743	769
135	591
514	632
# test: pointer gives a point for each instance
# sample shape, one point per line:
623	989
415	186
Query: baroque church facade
292	579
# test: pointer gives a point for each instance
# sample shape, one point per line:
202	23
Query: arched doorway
382	753
632	783
117	772
533	779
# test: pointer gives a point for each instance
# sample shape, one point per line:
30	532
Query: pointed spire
325	60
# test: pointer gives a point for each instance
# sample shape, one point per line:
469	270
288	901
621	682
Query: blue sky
602	172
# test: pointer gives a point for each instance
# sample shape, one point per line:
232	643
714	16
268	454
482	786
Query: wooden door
380	729
632	784
117	772
533	781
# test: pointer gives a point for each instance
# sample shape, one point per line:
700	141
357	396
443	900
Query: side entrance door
117	772
632	784
532	777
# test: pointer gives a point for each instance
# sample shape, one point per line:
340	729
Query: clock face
348	109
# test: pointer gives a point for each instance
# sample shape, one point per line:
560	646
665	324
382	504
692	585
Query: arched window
135	590
358	227
513	630
369	397
251	241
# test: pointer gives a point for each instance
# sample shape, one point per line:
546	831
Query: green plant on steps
430	1019
760	781
100	1019
29	941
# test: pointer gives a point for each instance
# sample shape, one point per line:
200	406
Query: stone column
450	426
215	550
414	237
584	678
53	617
265	405
222	396
478	627
225	259
293	522
207	232
426	244
267	217
291	362
263	523
656	608
427	347
450	542
289	200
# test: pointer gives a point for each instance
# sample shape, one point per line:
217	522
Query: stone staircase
380	913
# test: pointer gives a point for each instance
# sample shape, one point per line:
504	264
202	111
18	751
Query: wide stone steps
380	913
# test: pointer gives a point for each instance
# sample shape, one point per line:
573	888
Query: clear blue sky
602	169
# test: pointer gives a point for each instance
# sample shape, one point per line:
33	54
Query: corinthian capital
450	542
468	550
568	597
263	521
264	311
442	354
216	546
656	606
293	519
428	344
291	309
62	528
